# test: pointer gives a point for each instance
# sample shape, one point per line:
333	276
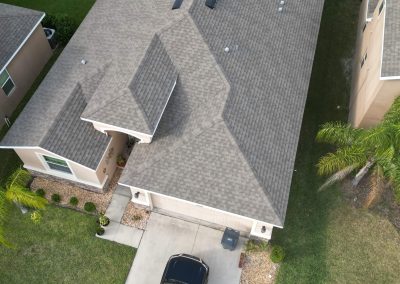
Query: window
6	83
364	27
381	7
364	59
57	164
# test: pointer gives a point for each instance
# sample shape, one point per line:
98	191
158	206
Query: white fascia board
119	129
22	44
387	78
165	106
201	205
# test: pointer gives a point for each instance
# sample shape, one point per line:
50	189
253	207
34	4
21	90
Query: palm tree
364	150
16	192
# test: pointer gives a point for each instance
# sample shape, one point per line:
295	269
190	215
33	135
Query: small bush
64	25
89	207
99	230
137	217
56	198
277	254
397	195
73	201
41	192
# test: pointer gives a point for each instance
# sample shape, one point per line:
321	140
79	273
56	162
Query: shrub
56	198
73	201
121	161
136	217
89	207
64	25
99	230
277	254
41	192
103	219
397	195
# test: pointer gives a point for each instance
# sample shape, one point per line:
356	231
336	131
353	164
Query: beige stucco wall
32	161
371	97
24	69
108	163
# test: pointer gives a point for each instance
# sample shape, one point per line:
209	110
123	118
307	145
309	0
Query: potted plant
100	231
121	161
103	220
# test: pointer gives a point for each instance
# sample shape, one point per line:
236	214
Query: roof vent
83	61
280	9
177	4
226	49
211	3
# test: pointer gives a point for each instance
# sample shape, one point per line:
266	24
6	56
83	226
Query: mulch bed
135	216
101	200
258	268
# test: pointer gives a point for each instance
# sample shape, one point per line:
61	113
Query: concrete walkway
116	231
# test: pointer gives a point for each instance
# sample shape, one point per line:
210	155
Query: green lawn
61	249
326	241
77	9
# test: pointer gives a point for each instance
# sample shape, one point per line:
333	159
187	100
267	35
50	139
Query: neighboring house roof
229	133
391	40
16	25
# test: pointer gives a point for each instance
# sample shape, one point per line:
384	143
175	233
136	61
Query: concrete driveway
165	236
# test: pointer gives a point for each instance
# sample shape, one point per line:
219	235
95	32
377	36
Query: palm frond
338	176
341	159
338	133
20	177
24	197
377	137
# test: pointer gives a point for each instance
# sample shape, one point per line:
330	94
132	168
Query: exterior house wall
200	214
23	69
82	176
108	163
371	97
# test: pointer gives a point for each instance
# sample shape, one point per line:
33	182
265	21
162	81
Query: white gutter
22	44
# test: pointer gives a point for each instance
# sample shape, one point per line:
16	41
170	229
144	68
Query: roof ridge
252	170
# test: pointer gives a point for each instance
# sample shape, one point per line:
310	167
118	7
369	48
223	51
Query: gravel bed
258	269
101	200
135	217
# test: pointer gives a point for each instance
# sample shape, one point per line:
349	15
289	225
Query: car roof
185	269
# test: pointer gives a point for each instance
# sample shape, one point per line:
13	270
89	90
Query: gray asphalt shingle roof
229	133
391	41
16	23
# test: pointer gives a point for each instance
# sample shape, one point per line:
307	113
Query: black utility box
230	239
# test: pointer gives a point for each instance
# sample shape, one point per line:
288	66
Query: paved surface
118	232
165	236
122	234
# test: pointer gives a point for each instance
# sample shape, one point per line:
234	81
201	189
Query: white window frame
9	78
56	172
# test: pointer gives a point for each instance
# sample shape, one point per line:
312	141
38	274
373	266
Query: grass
61	249
76	9
325	240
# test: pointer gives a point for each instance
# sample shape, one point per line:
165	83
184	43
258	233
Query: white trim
201	205
22	44
109	127
389	78
165	106
9	78
52	171
20	147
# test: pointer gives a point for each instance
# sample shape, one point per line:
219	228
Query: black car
185	269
